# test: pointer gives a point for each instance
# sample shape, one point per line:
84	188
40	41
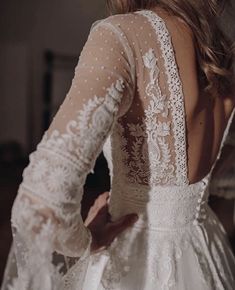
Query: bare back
157	69
206	118
134	95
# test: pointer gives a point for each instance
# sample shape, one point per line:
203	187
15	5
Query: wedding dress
126	99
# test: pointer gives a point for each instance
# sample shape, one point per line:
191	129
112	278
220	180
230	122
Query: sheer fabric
127	99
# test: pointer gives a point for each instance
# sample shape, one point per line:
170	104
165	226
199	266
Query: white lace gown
127	99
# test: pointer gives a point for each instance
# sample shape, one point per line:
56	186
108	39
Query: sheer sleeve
46	212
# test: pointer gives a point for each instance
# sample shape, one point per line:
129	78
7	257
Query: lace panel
176	94
150	138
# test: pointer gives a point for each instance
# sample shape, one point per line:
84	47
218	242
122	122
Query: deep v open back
128	98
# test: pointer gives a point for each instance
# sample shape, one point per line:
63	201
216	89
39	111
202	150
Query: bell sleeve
46	212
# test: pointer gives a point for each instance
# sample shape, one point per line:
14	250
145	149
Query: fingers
104	236
100	202
102	198
117	227
99	210
106	195
99	223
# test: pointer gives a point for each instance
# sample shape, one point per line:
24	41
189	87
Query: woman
153	89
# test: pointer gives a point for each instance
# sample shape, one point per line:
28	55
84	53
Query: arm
47	207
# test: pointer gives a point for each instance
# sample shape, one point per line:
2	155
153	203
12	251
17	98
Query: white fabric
223	181
178	242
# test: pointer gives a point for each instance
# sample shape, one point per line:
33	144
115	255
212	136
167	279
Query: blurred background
40	42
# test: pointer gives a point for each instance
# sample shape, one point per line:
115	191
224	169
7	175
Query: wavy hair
215	51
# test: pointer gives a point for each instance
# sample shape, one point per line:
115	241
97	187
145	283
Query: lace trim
55	176
150	159
74	150
176	98
161	167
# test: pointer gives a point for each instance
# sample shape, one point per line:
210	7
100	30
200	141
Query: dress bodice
148	144
146	151
126	98
150	139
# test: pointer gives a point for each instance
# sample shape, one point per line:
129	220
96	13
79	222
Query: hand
102	229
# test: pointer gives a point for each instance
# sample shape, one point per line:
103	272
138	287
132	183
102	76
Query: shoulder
177	24
124	22
120	29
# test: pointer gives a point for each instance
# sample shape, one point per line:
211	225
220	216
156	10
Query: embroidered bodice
127	99
151	138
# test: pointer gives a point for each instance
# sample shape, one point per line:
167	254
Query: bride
152	89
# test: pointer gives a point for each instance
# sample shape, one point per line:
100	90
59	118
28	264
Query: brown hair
214	49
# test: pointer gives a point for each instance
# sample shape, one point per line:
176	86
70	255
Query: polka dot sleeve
46	212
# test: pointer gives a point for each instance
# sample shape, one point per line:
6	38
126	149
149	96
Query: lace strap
176	94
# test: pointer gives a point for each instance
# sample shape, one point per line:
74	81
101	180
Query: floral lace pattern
151	159
176	97
54	177
57	167
126	98
149	136
48	200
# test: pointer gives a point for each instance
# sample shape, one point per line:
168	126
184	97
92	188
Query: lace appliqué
34	251
118	266
159	156
161	263
58	165
150	159
53	184
176	95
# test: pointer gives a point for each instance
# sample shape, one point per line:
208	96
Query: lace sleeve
46	212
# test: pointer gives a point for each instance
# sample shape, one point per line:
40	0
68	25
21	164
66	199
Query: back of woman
153	89
202	115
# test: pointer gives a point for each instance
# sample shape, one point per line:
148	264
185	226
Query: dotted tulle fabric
126	99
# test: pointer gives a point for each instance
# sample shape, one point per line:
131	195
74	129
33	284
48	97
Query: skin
102	229
206	120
